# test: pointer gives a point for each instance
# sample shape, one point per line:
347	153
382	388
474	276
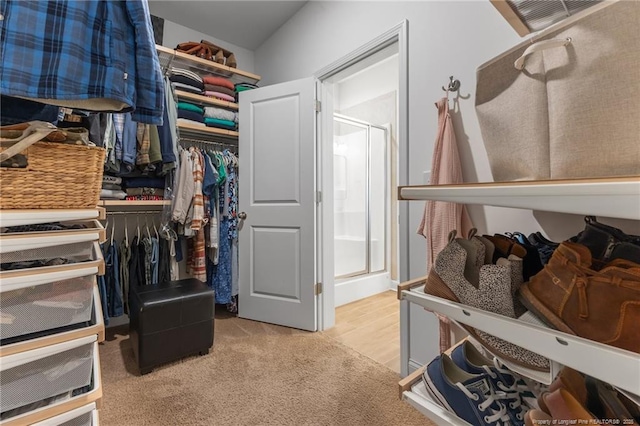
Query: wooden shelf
134	203
576	352
203	130
172	58
608	197
205	100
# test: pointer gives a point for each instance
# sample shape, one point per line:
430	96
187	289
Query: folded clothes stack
219	88
145	188
241	87
182	79
220	117
112	188
190	113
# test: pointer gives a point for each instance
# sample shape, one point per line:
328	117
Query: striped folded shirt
186	73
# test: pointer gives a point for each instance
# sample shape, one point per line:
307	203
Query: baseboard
350	290
414	365
393	285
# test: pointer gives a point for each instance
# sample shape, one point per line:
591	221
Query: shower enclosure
361	194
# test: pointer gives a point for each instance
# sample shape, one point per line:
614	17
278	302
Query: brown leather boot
599	305
599	398
563	406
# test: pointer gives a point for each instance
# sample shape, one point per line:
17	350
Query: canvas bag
573	110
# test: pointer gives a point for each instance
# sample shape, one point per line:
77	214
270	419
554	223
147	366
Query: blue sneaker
510	390
469	396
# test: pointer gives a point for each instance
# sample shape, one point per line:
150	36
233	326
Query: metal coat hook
454	85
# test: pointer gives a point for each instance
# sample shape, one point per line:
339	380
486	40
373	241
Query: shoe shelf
414	391
205	100
576	352
172	58
36	216
609	197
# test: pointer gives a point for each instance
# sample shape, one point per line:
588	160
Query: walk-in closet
319	212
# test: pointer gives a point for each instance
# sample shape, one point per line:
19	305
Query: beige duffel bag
573	109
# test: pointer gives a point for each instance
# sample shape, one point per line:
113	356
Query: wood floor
371	326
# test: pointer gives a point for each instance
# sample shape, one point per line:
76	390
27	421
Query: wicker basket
58	176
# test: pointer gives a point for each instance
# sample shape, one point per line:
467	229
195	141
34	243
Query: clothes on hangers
205	207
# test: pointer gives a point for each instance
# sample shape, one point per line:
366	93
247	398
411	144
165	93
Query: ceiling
243	23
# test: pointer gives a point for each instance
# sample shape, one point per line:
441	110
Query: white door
277	187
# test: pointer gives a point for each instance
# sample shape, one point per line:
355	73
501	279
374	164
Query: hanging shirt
93	55
198	198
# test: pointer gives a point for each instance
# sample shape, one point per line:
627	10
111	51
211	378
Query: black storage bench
169	321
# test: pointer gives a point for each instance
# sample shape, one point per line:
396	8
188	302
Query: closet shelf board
97	328
32	217
573	351
172	58
413	390
205	100
201	130
609	197
134	203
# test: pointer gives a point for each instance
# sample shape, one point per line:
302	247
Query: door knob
242	215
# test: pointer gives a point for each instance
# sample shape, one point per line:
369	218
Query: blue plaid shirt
78	50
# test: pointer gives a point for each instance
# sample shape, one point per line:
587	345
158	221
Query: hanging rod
200	142
134	212
194	140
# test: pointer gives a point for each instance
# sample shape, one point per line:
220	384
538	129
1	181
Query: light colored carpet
256	374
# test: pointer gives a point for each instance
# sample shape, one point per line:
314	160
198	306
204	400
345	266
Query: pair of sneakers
478	390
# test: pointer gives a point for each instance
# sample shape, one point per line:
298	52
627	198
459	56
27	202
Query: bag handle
36	131
538	47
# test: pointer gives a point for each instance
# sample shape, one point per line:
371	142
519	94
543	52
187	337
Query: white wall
445	38
175	34
371	83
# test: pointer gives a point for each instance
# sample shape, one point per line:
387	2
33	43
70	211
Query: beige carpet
256	374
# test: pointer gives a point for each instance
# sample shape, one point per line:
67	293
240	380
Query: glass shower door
360	197
350	198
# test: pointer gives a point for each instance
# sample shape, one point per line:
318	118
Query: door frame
325	266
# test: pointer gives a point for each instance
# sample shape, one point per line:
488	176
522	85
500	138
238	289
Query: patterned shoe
469	396
492	293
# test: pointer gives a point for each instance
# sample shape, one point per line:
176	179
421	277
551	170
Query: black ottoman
170	321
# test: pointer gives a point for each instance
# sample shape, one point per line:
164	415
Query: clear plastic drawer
13	239
31	377
55	300
60	403
84	416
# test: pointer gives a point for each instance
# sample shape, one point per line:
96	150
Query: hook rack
454	85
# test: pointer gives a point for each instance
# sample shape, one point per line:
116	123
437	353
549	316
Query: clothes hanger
138	227
146	224
126	231
155	229
113	228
